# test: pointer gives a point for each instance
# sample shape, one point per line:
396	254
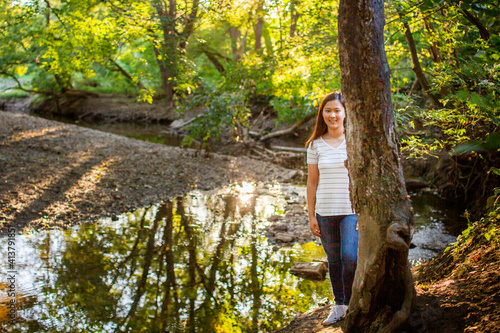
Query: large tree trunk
383	290
166	53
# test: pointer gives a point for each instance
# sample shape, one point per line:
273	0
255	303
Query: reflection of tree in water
175	268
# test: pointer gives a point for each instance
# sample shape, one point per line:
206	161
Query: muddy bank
92	107
55	174
456	293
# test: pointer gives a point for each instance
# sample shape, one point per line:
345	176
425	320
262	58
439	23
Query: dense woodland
245	72
241	62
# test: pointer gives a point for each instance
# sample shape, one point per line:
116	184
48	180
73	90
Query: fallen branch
138	83
288	130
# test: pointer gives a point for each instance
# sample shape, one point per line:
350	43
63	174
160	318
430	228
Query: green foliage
136	47
225	113
486	231
462	69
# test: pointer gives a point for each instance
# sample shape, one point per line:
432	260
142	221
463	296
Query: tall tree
174	40
294	17
259	25
383	290
416	64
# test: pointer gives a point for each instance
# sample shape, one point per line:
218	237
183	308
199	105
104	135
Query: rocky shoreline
56	175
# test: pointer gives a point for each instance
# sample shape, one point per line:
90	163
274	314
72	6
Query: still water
194	264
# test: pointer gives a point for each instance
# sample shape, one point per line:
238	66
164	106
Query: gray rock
315	271
281	227
284	237
275	218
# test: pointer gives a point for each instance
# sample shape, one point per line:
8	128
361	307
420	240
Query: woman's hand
314	226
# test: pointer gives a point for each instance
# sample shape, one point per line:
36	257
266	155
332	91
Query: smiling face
334	115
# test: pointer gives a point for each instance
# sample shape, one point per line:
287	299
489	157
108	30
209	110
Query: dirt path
54	174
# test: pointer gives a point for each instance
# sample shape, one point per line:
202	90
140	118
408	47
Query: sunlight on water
198	263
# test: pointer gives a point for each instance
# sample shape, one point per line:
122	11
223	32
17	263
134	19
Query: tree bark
294	17
383	290
235	35
212	56
434	49
483	32
189	26
174	42
258	27
127	75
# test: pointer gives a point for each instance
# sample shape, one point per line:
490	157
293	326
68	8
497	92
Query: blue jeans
339	238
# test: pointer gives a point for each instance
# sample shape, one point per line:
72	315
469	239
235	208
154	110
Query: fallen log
289	130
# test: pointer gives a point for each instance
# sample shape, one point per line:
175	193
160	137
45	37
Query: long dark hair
321	127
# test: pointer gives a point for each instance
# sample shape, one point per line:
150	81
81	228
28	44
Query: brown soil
109	108
452	296
54	174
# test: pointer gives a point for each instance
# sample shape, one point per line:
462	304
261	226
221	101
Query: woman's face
334	115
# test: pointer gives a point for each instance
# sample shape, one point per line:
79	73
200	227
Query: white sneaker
338	313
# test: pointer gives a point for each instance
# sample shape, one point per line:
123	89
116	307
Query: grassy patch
13	94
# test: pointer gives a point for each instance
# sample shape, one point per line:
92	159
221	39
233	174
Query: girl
331	216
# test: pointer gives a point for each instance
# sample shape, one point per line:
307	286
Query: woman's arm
312	185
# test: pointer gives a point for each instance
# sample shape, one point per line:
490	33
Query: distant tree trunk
434	49
258	27
383	290
416	65
483	32
235	35
267	40
294	17
174	41
167	72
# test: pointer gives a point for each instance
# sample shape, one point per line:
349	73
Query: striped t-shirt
332	195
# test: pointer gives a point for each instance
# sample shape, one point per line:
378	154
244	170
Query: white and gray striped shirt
332	195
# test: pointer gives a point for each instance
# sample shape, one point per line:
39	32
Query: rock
281	227
275	218
177	124
284	237
315	271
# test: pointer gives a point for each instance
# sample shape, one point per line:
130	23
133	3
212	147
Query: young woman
331	215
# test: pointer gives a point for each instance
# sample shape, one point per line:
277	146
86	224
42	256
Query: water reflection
195	264
436	226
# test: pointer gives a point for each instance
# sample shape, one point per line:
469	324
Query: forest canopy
236	57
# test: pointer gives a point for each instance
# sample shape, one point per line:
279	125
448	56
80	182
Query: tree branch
189	26
288	130
483	32
127	75
416	65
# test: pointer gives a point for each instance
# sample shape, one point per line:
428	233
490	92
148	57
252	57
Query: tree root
397	239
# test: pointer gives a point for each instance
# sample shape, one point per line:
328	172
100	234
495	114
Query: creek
200	263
